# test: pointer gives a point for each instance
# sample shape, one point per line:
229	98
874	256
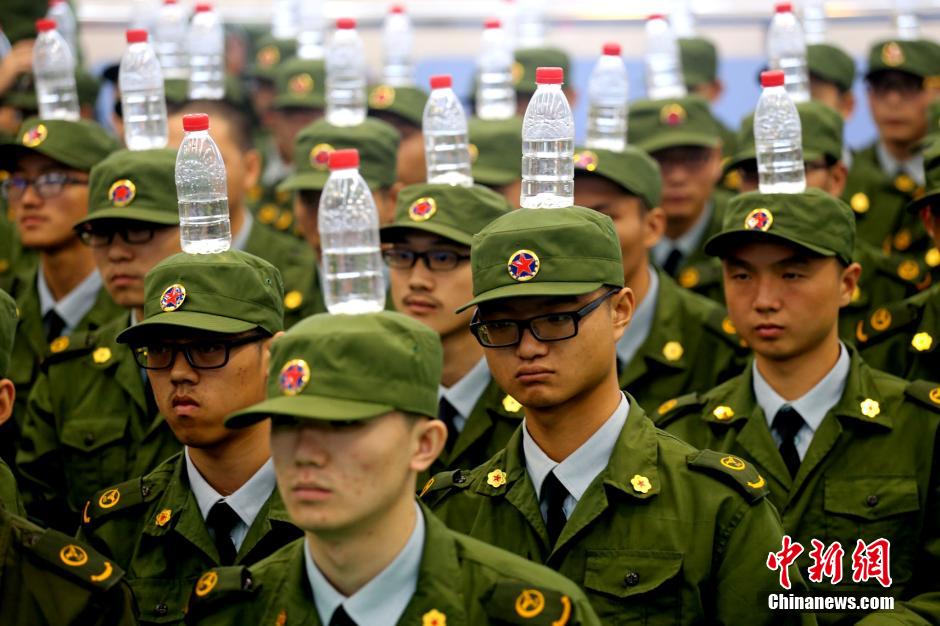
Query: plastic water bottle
663	63
397	43
206	40
608	90
444	125
5	46
66	24
353	279
786	50
310	37
142	100
284	19
509	18
345	76
548	145
814	21
200	190
906	21
54	72
496	96
144	15
778	138
682	19
170	41
531	24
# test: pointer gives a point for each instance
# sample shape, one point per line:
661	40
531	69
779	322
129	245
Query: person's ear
430	435
849	283
252	161
7	397
654	227
623	304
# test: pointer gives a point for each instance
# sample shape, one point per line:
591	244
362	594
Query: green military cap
633	169
228	292
405	102
351	367
451	211
813	220
544	252
300	83
134	185
822	135
530	59
176	91
919	57
659	124
87	87
376	141
931	153
495	146
22	95
8	319
79	145
269	55
699	61
831	64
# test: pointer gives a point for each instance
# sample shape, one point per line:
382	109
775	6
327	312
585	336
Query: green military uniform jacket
698	271
879	203
152	527
662	523
902	337
9	495
461	582
871	471
47	578
91	422
691	346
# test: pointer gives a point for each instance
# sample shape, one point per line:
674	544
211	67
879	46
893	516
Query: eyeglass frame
34	182
86	231
228	344
424	256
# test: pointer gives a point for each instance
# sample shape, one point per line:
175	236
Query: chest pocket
94	455
161	601
635	586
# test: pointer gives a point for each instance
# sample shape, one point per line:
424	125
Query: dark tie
553	495
787	422
341	618
447	414
54	324
671	266
221	520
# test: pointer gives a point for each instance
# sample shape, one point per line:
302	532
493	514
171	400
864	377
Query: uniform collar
247	501
687	243
466	392
641	323
913	167
75	305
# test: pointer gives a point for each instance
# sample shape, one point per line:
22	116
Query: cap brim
722	242
493	176
314	181
151	216
392	231
750	155
524	290
673	140
190	320
880	70
12	152
308	407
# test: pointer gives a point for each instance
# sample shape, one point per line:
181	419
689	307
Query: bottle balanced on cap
663	62
206	45
345	76
54	70
397	41
608	91
143	105
444	126
495	97
786	50
201	190
348	222
170	40
778	138
548	145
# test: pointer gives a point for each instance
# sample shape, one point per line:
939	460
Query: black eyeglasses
131	234
550	327
47	185
438	260
207	354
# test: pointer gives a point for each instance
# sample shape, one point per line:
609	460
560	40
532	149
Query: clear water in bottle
170	40
345	76
54	72
143	104
444	125
352	271
814	21
608	91
530	18
206	45
663	63
496	96
778	138
548	145
201	192
906	21
310	37
786	50
397	43
66	24
682	19
284	18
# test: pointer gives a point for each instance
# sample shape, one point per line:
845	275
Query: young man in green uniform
403	108
350	400
209	320
847	452
889	174
48	192
700	70
495	146
677	339
427	251
9	495
92	421
587	485
683	136
831	76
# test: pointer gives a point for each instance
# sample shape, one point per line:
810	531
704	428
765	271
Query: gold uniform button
922	342
511	404
59	344
101	355
673	351
870	408
905	183
908	270
860	203
723	413
881	319
689	277
902	240
293	299
4	265
932	258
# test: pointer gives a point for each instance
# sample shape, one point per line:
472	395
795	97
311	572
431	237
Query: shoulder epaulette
441	483
216	585
884	322
671	409
68	347
733	470
524	603
925	393
117	498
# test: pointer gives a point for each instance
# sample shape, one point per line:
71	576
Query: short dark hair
238	121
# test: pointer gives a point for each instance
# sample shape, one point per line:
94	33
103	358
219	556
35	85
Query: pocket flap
624	573
90	434
871	497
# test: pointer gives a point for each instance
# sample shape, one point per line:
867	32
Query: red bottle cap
655	16
397	8
45	25
52	3
549	76
344	159
136	35
771	78
169	1
612	49
346	23
442	81
202	7
492	23
195	121
783	7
